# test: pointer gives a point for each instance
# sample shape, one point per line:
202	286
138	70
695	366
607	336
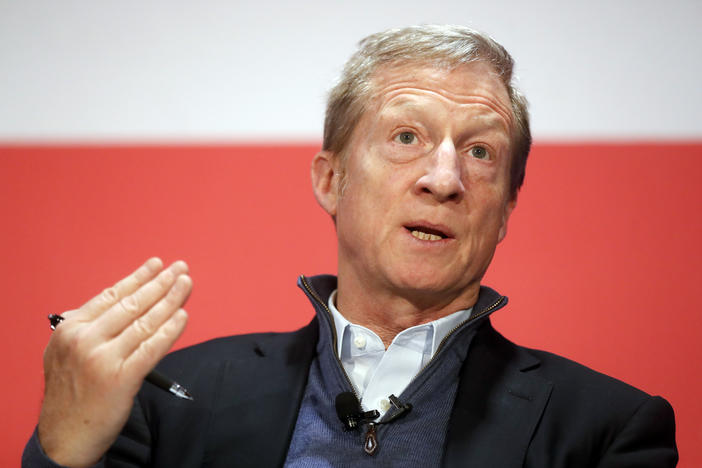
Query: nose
442	178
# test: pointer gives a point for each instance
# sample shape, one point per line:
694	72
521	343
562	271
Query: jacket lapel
254	417
498	404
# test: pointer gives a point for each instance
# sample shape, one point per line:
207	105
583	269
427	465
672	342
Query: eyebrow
488	116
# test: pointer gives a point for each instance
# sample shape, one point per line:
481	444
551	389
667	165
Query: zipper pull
371	443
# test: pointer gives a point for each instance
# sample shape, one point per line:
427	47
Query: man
424	151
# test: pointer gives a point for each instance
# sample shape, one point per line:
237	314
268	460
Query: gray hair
442	46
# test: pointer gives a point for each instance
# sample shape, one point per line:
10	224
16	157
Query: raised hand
98	356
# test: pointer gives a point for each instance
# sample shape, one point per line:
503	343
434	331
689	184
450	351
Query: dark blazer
515	407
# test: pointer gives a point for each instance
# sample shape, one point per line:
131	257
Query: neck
388	312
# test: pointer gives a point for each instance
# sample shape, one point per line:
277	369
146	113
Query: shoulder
591	414
577	378
589	394
566	376
236	347
200	367
590	397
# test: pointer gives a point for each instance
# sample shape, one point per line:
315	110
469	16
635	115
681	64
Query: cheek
486	181
375	179
358	202
482	172
486	205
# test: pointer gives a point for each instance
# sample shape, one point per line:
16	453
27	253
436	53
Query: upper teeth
425	235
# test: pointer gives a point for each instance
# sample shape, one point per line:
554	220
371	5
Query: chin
431	282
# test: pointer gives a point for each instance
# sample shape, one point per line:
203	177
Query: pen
154	377
163	382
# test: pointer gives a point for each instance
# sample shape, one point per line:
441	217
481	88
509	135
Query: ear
509	207
325	180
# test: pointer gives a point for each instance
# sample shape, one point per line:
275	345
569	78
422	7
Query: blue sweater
414	440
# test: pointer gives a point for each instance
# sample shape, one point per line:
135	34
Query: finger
148	324
150	351
129	308
112	295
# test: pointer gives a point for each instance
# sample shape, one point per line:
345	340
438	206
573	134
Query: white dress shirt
377	373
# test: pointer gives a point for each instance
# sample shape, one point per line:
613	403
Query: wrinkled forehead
466	84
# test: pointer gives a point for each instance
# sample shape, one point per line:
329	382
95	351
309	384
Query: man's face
425	196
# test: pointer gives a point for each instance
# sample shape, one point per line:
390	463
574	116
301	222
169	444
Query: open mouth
426	233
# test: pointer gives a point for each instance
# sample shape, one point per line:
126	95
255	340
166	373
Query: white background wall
215	70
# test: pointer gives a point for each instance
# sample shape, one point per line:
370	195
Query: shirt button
384	405
359	341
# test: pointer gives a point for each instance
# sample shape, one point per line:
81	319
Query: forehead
473	84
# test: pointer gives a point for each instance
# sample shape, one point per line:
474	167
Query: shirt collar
440	327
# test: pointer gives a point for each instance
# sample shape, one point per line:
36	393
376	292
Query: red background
602	262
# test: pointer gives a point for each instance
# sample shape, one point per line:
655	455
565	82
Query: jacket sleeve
133	445
646	440
131	449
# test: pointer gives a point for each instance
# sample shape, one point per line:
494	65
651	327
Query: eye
479	152
406	138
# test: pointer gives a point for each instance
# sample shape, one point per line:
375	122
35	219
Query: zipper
472	318
371	440
335	345
370	444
